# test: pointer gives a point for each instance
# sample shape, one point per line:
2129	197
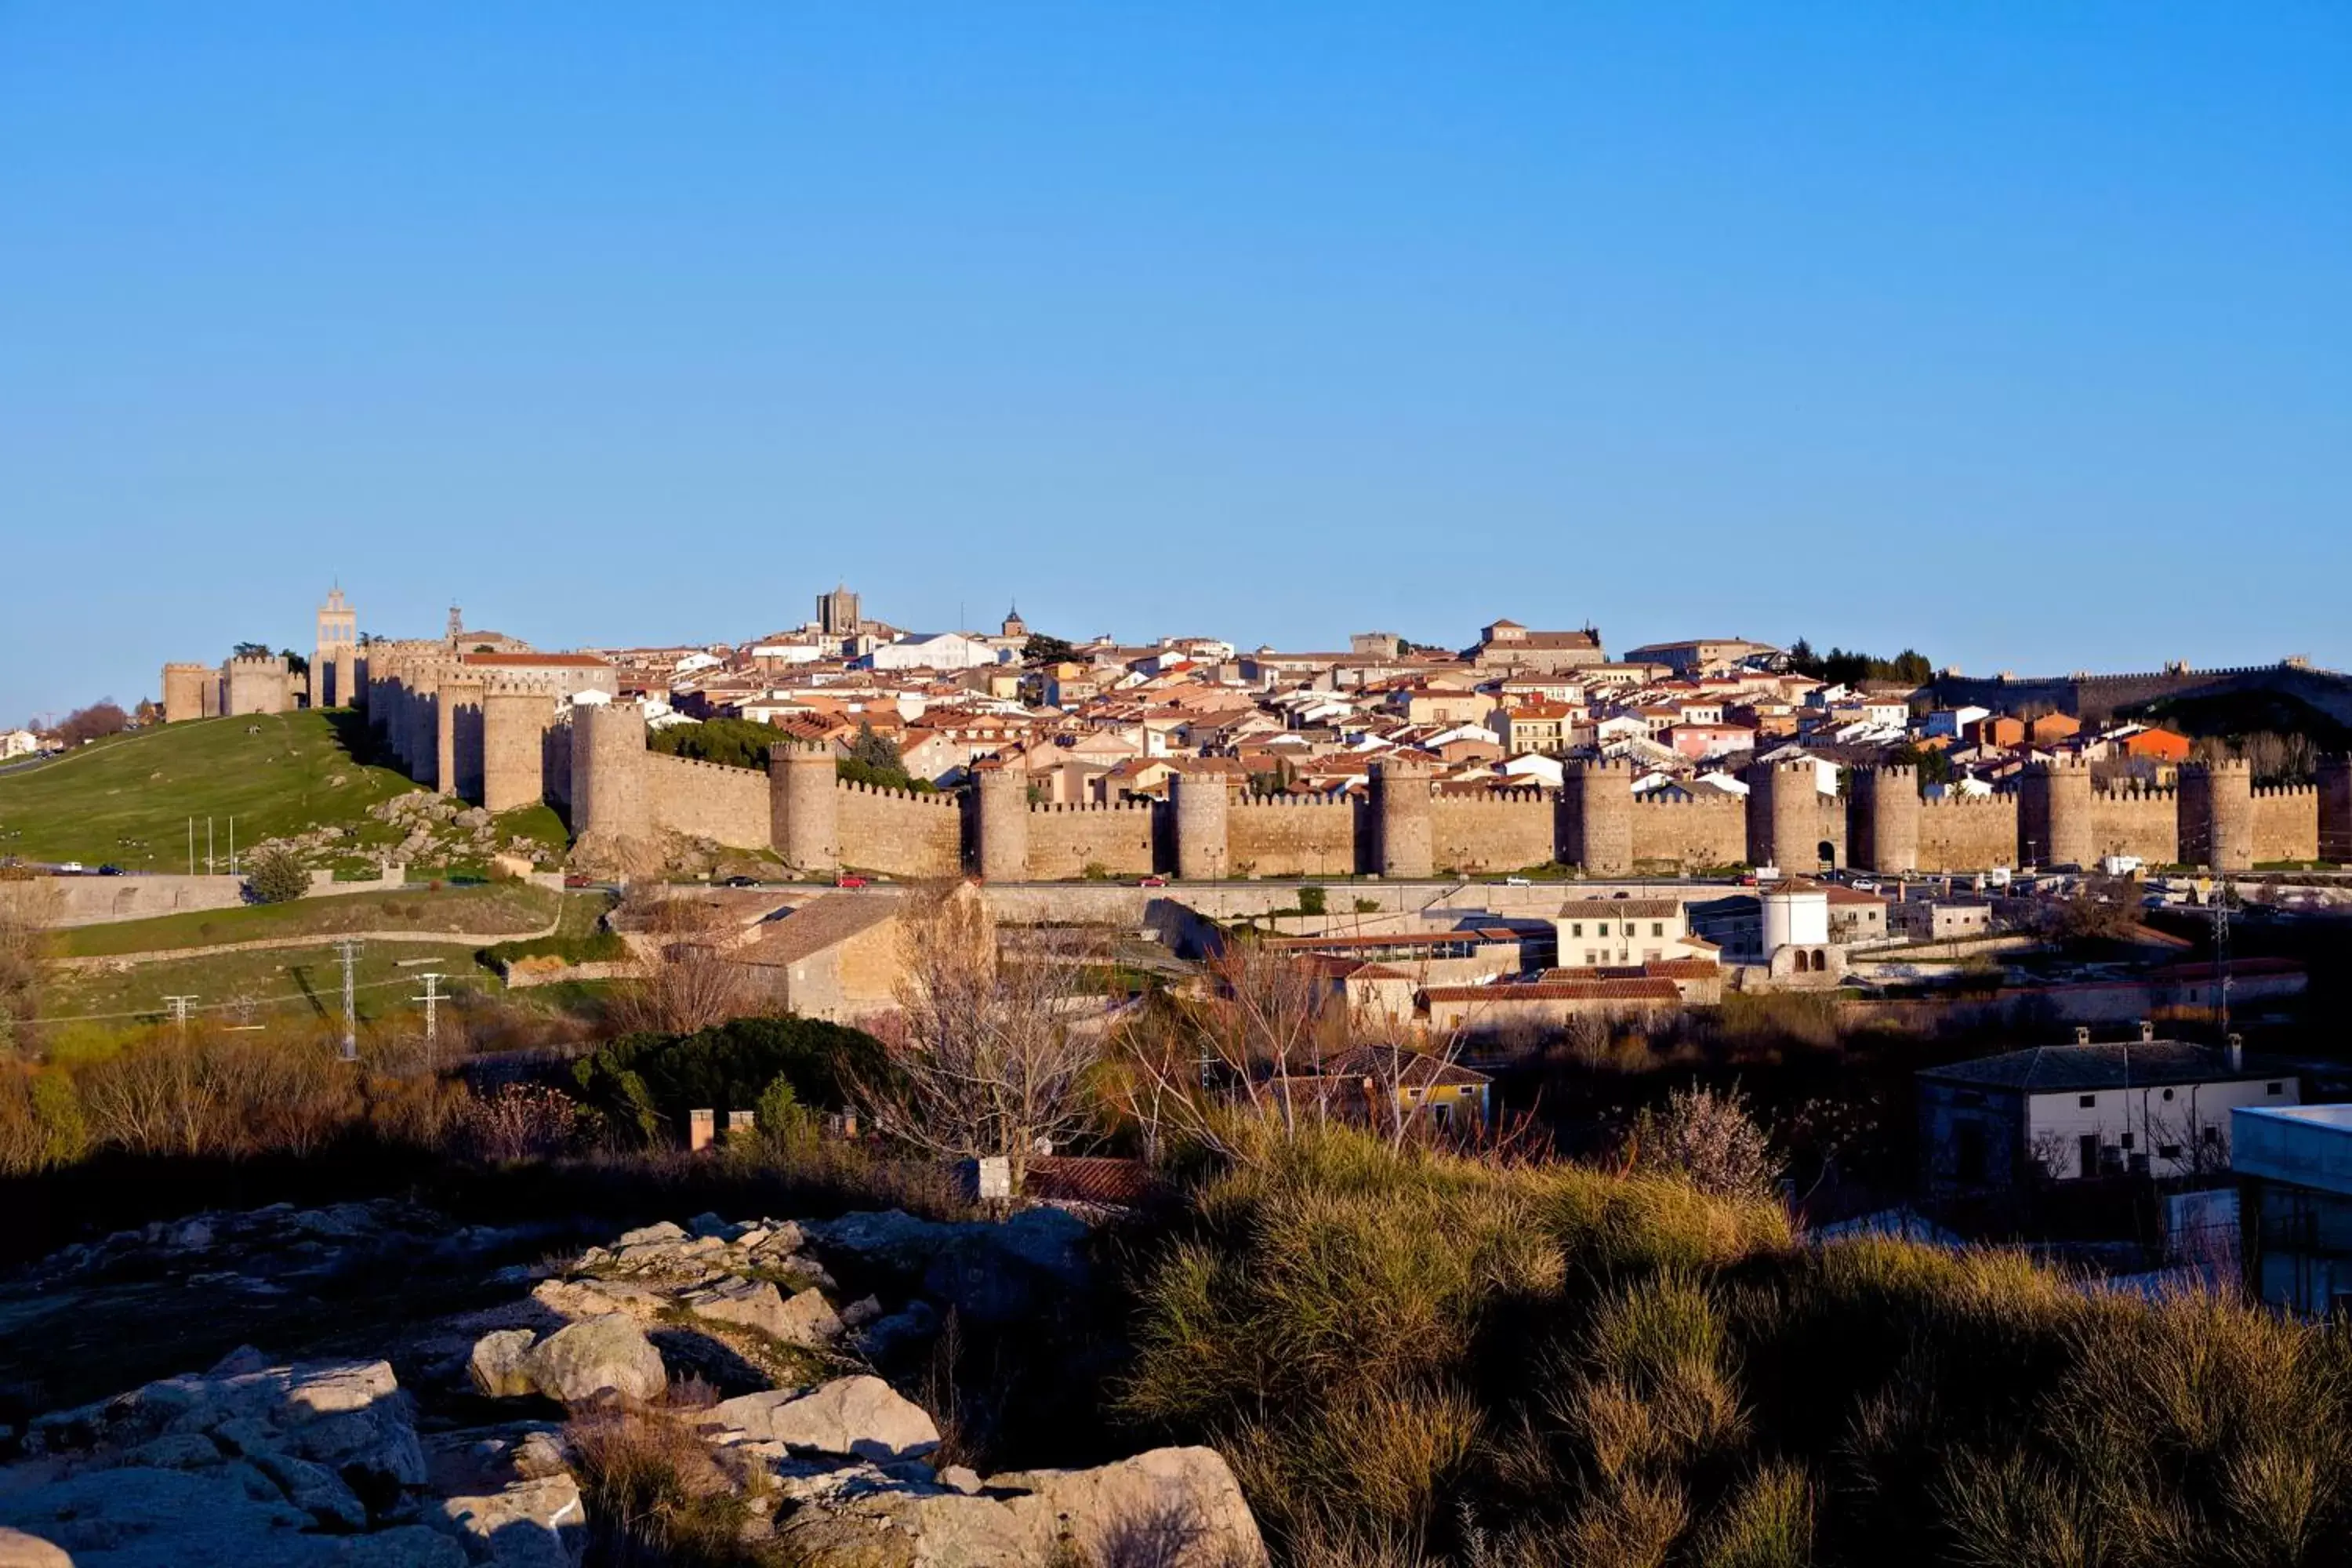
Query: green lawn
129	800
488	909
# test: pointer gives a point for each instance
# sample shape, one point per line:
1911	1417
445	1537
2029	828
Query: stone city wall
1064	841
2146	823
704	800
2286	823
1499	830
1966	833
1291	836
897	832
1689	834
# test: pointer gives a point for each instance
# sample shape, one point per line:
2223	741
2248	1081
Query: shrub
520	1122
599	946
1710	1140
640	1080
1311	900
275	875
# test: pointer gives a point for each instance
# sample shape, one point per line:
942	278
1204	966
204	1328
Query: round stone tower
2336	809
1883	820
1003	835
2227	834
1401	806
190	692
1202	802
803	805
458	736
514	725
1599	836
1784	816
608	770
2054	813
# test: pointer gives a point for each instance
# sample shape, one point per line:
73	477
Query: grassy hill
129	800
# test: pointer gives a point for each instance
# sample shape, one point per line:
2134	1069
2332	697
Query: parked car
68	869
1518	882
850	879
574	879
109	870
1152	882
741	882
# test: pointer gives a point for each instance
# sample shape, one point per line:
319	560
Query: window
1601	928
2086	1100
1657	928
2168	1094
1576	929
2128	1140
2273	1089
2209	1136
2168	1151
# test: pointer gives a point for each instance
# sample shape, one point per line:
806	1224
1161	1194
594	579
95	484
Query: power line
431	999
179	1005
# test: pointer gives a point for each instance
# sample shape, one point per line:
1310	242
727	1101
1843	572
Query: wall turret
190	692
803	814
2216	803
2336	809
1883	820
514	721
608	771
1402	790
1002	834
2054	826
1784	816
458	737
1598	799
1203	803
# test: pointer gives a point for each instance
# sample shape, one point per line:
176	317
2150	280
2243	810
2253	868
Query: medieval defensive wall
501	739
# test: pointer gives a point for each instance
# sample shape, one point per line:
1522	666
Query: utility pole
208	846
2221	895
232	846
431	999
192	846
348	950
179	1005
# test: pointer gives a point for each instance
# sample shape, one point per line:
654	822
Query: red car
1152	882
848	880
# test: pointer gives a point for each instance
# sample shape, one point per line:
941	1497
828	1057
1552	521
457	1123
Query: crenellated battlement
1956	801
1080	808
2285	791
1663	801
884	792
1525	794
1292	802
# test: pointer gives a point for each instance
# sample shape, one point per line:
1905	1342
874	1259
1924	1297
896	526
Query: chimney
2237	1053
2082	1034
2147	1031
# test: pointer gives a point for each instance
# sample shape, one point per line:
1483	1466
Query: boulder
596	1356
1173	1508
1170	1508
18	1550
495	1365
857	1417
573	1299
661	1231
315	1490
532	1523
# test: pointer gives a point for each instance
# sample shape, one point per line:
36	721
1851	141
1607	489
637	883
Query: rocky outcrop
258	1463
255	1466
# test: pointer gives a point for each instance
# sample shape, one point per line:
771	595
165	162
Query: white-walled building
2143	1107
935	650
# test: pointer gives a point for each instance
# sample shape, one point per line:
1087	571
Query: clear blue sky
2022	332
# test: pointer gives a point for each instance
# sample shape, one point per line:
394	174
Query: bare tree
690	982
989	1049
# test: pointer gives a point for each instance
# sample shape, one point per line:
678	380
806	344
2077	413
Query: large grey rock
315	1490
806	1318
1170	1508
18	1550
857	1417
533	1522
660	1231
594	1356
495	1365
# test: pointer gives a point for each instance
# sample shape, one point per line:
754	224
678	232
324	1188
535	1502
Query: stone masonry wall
1283	836
1064	840
2286	823
897	832
1690	834
2146	823
1503	830
705	800
1958	834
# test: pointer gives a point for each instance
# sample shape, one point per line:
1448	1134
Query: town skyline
2016	336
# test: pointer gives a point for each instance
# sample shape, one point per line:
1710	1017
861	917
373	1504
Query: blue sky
2019	332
